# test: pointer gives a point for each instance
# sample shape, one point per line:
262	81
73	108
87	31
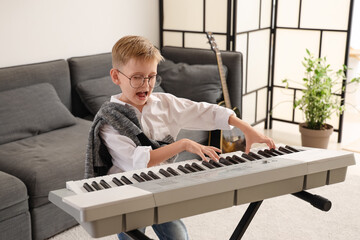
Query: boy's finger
247	148
216	149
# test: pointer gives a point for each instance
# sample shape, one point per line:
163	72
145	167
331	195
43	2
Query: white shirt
163	115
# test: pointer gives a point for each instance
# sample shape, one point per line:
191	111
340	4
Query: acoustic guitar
227	140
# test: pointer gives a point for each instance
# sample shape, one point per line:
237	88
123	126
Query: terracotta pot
315	138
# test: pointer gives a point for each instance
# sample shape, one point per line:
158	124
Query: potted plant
318	102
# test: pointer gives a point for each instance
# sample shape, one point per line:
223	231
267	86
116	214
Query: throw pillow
31	110
196	82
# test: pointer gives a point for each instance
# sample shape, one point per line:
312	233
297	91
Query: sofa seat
14	210
46	161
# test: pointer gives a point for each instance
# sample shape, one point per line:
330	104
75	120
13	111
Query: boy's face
137	97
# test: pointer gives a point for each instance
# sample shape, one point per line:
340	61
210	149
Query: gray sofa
45	110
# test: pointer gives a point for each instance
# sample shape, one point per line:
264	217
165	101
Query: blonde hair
134	47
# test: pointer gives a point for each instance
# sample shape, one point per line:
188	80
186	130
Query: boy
137	118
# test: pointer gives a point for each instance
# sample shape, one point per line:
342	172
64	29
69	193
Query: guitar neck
223	80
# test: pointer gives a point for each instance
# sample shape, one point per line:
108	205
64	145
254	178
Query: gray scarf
123	119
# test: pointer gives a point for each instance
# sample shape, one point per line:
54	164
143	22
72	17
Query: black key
244	155
215	164
138	178
197	166
231	160
117	181
153	175
264	154
172	171
164	173
145	176
88	187
96	185
291	148
238	159
254	155
276	151
104	184
190	168
184	170
284	150
207	164
225	162
270	152
126	180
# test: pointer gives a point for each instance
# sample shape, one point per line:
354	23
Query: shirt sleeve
199	115
124	152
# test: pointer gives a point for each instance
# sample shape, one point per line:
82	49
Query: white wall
40	30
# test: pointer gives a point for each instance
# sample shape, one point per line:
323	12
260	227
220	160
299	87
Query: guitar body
227	140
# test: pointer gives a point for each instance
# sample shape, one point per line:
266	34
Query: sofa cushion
196	82
13	196
31	110
95	92
54	72
46	161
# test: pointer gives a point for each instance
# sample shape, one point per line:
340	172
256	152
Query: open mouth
142	94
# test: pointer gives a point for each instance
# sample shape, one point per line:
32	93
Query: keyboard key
197	166
184	170
164	173
248	157
276	151
117	181
88	187
284	150
270	152
96	185
104	184
207	164
264	154
238	159
215	164
190	168
153	175
145	176
254	155
225	162
138	178
126	180
172	171
231	160
291	148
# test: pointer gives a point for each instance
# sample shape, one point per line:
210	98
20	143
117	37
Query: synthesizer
125	201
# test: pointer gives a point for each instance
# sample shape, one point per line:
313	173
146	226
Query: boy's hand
201	150
251	135
255	137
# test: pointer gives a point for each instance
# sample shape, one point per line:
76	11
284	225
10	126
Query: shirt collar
116	98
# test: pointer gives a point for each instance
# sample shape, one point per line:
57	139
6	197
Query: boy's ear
114	76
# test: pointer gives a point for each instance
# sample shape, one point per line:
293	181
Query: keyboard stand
137	235
315	200
245	220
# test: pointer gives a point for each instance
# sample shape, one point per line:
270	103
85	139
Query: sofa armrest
232	60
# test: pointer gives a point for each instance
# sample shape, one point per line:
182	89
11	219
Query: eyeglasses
137	81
